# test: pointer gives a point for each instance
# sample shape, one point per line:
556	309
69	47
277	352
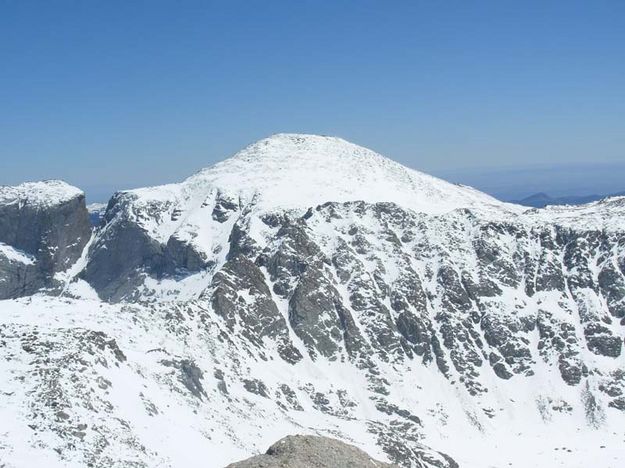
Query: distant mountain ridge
96	212
541	199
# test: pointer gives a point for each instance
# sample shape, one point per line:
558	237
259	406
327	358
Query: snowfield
309	285
152	417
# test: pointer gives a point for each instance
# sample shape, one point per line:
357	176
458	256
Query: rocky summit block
301	451
44	227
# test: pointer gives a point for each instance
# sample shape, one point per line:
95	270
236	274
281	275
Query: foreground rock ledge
311	452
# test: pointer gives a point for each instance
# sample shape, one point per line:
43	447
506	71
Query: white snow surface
142	402
42	193
296	171
96	207
607	214
15	255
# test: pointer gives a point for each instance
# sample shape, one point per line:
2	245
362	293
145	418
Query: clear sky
118	94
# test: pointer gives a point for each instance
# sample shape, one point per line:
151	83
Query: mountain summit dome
301	171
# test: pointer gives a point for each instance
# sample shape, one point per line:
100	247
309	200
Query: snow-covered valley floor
69	398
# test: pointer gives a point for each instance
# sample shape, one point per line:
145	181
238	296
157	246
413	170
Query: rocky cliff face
308	284
44	228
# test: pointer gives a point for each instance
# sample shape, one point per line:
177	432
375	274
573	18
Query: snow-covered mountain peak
45	193
294	172
290	144
301	171
285	147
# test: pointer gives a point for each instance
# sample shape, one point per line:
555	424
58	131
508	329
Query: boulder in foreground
301	451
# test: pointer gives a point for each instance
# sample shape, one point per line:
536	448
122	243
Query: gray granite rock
47	222
301	451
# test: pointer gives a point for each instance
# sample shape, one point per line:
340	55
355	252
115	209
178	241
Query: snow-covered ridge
44	193
96	207
299	171
96	212
606	214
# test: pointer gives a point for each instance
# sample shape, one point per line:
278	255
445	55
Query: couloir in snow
309	285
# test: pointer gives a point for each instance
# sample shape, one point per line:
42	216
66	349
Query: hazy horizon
114	95
508	183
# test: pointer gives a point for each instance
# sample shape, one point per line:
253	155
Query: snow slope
294	171
309	285
44	193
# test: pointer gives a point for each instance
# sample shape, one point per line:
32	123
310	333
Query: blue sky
118	94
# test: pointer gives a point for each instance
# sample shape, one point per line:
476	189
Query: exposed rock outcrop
301	451
44	227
